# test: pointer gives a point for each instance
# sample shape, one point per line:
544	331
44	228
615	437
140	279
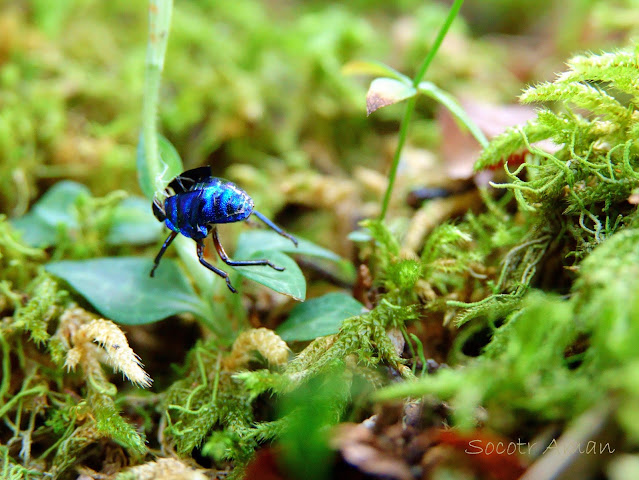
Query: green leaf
290	282
120	288
133	220
34	231
56	206
267	241
171	165
447	100
264	240
378	69
170	157
319	317
359	236
133	223
39	227
387	91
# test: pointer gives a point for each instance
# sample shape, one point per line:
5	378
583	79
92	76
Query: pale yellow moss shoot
262	340
165	469
98	340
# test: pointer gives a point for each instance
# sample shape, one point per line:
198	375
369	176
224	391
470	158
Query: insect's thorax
190	213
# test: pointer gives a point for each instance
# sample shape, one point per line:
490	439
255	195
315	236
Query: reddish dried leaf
264	466
460	150
488	453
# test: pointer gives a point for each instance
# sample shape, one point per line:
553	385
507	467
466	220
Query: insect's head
158	209
158	202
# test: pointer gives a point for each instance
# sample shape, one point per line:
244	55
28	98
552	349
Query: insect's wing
186	181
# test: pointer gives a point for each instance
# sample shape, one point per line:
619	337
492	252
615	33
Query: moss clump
551	357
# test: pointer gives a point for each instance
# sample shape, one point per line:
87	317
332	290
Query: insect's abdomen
190	213
225	203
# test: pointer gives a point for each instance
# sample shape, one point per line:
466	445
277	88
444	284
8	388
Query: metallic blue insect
196	202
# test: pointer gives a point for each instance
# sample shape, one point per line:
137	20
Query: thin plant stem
403	132
159	25
452	14
160	12
410	104
6	367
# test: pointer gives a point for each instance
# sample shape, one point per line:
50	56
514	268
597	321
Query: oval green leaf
56	206
39	227
319	317
120	288
34	232
387	91
290	282
171	165
264	240
133	223
171	158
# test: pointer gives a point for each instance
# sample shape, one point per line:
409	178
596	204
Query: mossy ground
517	318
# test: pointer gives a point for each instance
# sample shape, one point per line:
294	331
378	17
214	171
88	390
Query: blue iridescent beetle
196	202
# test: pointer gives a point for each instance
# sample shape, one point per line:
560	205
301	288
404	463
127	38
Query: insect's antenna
275	227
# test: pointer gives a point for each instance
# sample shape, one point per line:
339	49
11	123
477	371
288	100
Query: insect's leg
239	263
165	245
275	227
221	273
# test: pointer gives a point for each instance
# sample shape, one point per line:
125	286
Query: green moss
208	397
525	368
261	102
593	172
608	311
43	306
573	211
111	425
18	262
